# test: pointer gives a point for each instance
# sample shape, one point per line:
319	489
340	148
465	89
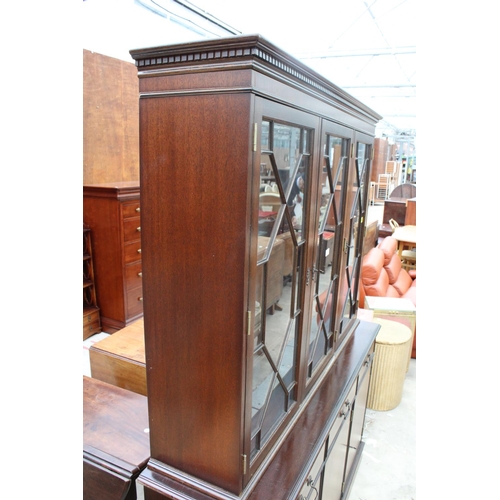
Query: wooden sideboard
113	212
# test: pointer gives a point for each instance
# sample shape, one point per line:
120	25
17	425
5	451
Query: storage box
394	309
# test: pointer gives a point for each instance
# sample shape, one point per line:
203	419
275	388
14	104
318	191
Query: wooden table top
406	233
127	342
115	424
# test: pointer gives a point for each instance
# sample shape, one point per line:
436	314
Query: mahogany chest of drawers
113	212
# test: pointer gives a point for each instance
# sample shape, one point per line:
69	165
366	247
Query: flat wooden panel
380	148
194	186
120	359
411	212
394	209
110	119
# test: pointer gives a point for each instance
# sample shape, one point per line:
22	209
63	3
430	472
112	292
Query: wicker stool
389	365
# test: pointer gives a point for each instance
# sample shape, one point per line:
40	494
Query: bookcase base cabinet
320	455
255	356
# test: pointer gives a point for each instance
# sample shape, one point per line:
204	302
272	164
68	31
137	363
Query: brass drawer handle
140	299
139	251
138	209
139	229
139	274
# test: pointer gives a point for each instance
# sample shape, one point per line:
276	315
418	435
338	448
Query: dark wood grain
115	440
110	119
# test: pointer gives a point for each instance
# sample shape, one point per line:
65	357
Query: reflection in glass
282	220
329	232
357	212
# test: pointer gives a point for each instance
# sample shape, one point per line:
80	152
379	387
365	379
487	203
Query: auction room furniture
411	212
115	441
243	403
120	360
404	191
389	365
112	210
406	237
91	317
393	168
383	276
396	207
395	309
383	186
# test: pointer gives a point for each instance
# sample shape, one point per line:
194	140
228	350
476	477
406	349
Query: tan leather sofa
383	276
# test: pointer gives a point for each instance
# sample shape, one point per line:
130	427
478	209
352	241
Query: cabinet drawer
132	252
90	316
134	302
133	275
131	209
132	229
91	328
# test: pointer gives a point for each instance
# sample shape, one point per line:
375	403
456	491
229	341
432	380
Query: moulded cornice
224	51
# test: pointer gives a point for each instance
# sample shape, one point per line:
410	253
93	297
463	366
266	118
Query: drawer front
91	328
133	276
132	252
131	209
132	229
134	302
90	317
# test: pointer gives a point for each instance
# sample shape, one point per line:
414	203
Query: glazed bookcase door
329	218
353	229
284	162
364	151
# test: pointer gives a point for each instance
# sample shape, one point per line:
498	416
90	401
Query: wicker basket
392	345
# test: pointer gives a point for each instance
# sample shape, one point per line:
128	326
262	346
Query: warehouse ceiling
367	47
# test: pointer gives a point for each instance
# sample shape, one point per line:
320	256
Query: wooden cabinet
113	212
91	316
235	361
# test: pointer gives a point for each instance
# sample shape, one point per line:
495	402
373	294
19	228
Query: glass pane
283	176
325	277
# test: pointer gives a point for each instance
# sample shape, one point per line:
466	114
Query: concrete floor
387	470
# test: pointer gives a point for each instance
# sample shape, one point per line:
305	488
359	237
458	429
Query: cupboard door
334	472
358	415
328	223
356	182
281	209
